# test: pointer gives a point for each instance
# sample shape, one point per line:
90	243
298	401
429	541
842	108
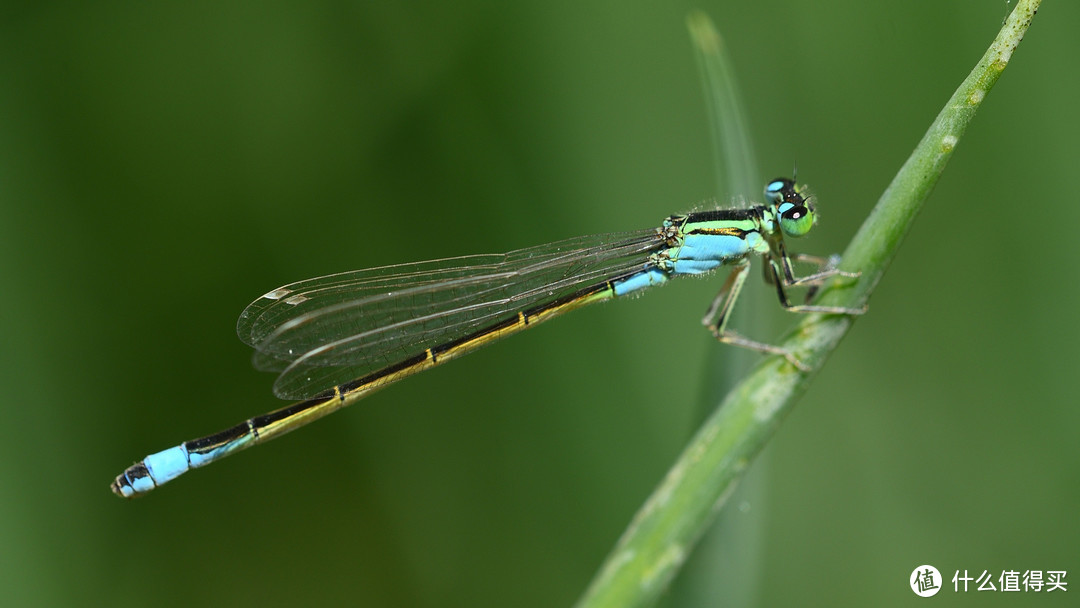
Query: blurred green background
163	165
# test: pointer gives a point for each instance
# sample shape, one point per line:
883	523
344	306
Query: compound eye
796	219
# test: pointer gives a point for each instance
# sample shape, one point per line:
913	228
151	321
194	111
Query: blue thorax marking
701	242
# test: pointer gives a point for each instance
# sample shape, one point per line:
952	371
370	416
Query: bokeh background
161	165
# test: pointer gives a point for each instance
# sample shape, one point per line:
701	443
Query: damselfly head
794	210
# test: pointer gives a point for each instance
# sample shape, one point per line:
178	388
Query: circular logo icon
925	581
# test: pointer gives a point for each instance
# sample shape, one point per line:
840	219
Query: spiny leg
808	308
825	266
719	312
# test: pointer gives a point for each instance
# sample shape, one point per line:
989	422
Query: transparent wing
330	330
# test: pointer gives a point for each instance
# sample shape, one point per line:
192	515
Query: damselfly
337	338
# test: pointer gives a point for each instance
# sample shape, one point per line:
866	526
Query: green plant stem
664	531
